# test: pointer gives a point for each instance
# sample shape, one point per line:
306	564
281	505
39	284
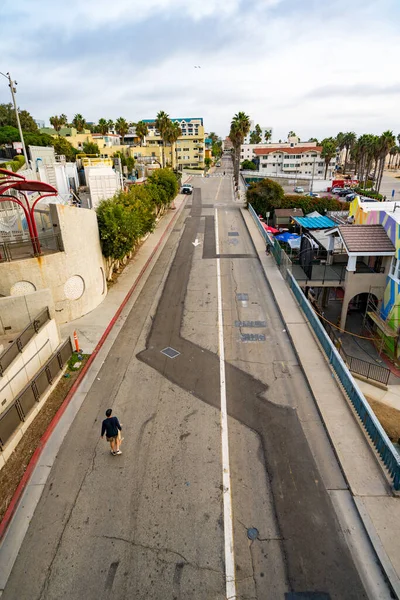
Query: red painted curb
35	456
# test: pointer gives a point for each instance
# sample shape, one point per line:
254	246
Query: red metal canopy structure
18	183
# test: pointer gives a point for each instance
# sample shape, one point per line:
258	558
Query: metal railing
374	429
24	248
358	365
17	346
22	405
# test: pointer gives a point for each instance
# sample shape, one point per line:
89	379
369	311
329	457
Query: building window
264	165
186	149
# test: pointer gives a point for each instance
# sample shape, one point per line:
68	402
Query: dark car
345	192
186	189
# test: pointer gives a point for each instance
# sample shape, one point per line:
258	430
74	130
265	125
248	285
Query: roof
187	119
293	150
289	212
315	222
368	239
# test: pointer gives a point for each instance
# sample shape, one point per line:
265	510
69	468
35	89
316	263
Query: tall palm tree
291	134
58	121
79	123
121	127
162	124
328	152
141	130
348	141
386	141
240	127
102	126
110	124
172	134
392	154
267	135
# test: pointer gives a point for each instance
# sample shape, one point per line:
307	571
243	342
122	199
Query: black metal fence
20	408
17	346
358	365
24	248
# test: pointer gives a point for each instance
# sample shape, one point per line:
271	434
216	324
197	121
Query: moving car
298	189
186	189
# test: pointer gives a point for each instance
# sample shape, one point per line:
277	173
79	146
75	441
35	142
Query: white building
300	160
263	132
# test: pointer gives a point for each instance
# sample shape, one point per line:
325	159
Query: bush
118	228
167	180
265	195
248	165
90	148
309	204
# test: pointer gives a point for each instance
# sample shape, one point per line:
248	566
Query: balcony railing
26	248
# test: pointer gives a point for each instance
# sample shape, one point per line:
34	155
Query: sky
311	66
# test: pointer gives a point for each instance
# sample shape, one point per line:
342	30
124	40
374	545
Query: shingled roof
366	238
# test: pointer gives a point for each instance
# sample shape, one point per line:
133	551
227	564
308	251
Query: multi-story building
264	130
296	160
189	150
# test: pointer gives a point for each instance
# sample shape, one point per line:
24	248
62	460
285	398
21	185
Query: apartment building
297	160
189	150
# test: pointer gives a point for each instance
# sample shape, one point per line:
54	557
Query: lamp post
12	87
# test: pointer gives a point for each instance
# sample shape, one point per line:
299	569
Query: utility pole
13	89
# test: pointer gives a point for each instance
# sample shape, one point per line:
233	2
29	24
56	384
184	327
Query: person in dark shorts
111	427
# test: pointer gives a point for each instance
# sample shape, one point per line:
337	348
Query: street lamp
13	89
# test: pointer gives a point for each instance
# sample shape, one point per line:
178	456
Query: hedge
368	193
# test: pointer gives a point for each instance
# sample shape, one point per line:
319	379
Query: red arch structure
21	185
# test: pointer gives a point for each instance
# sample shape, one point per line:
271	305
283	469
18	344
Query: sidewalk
378	508
97	332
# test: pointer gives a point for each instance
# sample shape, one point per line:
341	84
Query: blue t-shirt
110	427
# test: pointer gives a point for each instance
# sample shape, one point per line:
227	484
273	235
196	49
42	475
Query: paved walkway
376	504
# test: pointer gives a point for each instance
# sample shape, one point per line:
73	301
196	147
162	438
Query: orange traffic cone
76	342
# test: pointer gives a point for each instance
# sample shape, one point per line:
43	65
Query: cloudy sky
313	66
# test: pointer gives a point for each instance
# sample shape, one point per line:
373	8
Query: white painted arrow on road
196	242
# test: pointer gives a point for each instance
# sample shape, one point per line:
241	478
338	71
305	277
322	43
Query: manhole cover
252	337
242	297
233	233
170	352
252	533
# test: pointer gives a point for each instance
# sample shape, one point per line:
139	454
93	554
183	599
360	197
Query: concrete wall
28	363
16	312
75	276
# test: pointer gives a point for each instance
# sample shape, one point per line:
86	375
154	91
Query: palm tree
240	127
173	133
267	135
110	124
291	134
121	127
162	124
102	126
392	154
386	141
328	152
313	140
58	122
141	130
79	123
348	141
213	136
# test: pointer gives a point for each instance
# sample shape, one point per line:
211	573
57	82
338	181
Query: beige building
189	150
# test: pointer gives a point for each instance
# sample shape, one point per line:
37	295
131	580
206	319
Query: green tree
172	134
167	180
267	135
79	123
102	126
314	140
265	195
207	162
118	228
328	152
216	149
240	127
121	127
38	139
141	130
27	121
90	148
248	165
162	124
349	140
214	137
256	135
9	134
8	118
291	134
64	148
386	141
110	124
58	121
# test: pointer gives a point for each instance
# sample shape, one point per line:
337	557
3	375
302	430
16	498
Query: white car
336	190
298	189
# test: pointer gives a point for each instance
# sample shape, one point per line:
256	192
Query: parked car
346	192
298	189
186	189
313	194
336	190
350	197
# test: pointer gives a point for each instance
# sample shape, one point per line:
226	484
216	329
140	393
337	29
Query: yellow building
189	150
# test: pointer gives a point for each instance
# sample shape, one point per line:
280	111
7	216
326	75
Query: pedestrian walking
268	248
111	427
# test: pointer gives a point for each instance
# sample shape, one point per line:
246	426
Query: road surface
154	523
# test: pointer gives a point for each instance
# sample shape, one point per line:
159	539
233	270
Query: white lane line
226	474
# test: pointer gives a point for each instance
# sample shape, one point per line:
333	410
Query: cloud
309	66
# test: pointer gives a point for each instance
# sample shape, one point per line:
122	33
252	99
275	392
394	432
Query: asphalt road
149	524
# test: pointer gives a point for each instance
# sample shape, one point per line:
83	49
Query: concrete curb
36	455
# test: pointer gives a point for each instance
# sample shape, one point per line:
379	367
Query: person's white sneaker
118	452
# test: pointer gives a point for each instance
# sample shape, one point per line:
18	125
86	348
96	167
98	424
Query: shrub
368	193
265	195
166	179
248	165
309	204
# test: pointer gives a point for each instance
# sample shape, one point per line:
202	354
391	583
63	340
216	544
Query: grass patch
77	357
